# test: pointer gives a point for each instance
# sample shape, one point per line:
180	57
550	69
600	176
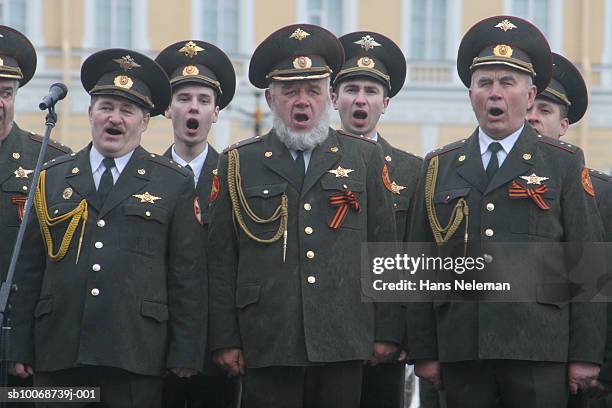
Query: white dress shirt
196	164
506	143
97	167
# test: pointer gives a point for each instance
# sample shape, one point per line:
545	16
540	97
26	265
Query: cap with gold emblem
17	56
567	88
375	56
194	61
505	41
127	74
295	52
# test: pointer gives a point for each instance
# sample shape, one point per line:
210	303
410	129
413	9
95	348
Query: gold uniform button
95	292
148	213
101	223
488	258
24	188
96	267
307	206
16	156
266	192
310	254
490	206
308	230
98	245
311	279
394	205
489	232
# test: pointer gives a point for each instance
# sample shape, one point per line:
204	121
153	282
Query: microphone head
63	90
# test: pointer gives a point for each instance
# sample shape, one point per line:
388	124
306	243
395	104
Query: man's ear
167	113
268	95
334	98
564	127
386	100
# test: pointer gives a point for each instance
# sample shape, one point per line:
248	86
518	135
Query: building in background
433	108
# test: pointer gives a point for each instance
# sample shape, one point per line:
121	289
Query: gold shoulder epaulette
600	175
58	160
359	137
242	143
445	149
164	161
52	143
568	147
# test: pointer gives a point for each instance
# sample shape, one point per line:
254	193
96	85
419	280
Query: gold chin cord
239	202
45	221
442	235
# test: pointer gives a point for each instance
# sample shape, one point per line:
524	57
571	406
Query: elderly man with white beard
289	213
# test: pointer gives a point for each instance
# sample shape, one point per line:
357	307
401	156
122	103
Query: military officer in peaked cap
373	72
512	186
109	287
563	103
292	210
18	148
203	83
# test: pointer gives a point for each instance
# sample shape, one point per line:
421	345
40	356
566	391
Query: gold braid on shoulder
239	202
45	221
461	209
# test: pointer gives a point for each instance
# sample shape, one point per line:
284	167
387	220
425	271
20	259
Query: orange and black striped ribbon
344	201
20	200
517	191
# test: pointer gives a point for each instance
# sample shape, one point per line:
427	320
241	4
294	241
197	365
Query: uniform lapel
81	180
130	181
471	168
517	162
322	159
206	175
278	158
387	151
8	163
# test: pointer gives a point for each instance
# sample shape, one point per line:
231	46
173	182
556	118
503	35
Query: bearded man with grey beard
289	214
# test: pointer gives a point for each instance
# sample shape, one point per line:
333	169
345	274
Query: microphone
57	92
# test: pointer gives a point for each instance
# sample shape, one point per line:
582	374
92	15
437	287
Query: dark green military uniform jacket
203	189
133	299
603	190
307	309
549	329
404	170
19	150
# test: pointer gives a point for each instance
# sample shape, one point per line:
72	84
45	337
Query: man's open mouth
496	112
113	131
360	114
300	117
193	124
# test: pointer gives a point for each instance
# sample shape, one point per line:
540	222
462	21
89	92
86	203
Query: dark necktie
189	169
106	181
299	163
493	162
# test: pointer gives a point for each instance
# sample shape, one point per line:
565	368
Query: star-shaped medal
340	172
396	188
533	179
22	173
146	197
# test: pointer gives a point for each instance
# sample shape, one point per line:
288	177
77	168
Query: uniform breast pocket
529	218
143	229
354	191
14	198
445	201
264	199
401	205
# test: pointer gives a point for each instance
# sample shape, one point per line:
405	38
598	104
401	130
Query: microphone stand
7	286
